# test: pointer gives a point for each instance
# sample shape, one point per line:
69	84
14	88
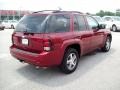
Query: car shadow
52	77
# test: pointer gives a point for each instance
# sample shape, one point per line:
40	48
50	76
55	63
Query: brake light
47	45
12	39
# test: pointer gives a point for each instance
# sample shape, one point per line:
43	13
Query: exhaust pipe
37	67
21	61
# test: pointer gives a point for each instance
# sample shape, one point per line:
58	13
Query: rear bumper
2	27
44	59
7	26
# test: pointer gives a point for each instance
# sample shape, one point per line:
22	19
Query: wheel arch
76	46
113	24
109	35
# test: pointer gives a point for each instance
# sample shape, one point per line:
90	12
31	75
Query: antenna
59	8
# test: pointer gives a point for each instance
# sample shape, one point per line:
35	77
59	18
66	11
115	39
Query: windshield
5	21
99	19
12	21
32	24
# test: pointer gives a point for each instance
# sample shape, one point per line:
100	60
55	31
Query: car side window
81	22
107	19
92	22
76	25
58	23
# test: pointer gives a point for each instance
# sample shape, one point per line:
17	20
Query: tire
12	27
114	28
3	28
69	64
107	45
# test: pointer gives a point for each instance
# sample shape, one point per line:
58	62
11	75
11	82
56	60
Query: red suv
58	38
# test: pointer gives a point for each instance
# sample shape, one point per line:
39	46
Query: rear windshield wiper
26	32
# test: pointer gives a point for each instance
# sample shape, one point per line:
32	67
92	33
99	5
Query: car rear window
31	24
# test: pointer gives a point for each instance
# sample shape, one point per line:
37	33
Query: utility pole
0	14
7	15
13	14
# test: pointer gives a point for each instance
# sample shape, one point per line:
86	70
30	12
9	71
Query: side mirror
102	26
95	27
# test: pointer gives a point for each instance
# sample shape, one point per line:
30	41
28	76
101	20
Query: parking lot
96	71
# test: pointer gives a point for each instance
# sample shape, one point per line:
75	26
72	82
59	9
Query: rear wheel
107	45
114	28
2	28
12	26
70	61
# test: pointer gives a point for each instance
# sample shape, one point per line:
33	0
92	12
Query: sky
91	6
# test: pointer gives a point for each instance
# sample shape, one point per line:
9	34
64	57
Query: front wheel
12	27
107	45
114	28
70	61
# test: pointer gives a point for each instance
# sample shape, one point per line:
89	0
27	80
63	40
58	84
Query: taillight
47	45
12	39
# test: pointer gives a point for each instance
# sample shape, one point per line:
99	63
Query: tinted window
32	24
99	19
107	18
76	25
58	23
92	23
81	22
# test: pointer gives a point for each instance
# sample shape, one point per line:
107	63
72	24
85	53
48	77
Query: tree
118	12
109	13
105	13
100	13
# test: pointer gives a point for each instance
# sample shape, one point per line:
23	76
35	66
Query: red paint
34	53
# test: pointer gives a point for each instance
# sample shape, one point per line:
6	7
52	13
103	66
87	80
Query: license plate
25	41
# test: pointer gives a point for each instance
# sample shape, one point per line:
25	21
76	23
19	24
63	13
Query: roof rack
47	10
56	11
73	12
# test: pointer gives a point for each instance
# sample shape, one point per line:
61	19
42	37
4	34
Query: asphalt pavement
96	71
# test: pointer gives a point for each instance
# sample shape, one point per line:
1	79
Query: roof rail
74	12
56	11
47	10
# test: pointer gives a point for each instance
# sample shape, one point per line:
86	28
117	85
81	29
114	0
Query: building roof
13	12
